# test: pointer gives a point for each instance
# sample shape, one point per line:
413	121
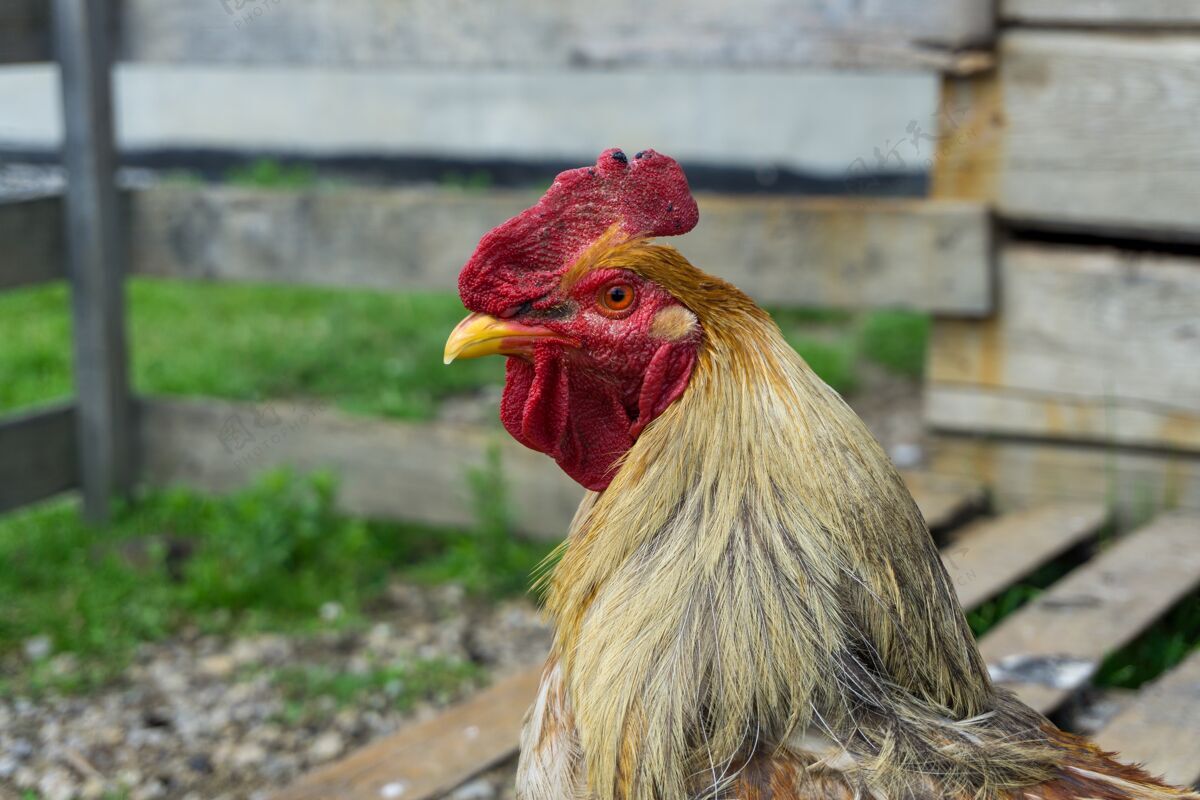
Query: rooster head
596	347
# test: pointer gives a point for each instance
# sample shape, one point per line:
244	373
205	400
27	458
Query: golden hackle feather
757	570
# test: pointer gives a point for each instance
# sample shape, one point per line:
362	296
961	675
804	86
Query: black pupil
616	295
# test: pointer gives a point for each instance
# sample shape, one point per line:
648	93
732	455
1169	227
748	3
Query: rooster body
748	604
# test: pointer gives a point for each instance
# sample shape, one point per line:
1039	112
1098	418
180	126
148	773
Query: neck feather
756	566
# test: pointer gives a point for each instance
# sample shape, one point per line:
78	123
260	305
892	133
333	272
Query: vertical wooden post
95	252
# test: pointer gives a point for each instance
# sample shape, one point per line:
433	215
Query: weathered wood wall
1021	472
573	33
1090	345
1086	380
554	35
1082	130
787	251
932	256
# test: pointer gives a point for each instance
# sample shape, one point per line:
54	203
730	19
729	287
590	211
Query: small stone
478	789
150	791
38	647
247	755
93	789
331	612
200	763
326	746
218	666
56	784
906	455
379	636
64	665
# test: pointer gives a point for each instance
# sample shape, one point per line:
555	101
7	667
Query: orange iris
617	297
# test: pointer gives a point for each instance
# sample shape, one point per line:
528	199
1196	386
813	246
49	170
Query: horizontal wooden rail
987	556
31	234
428	759
389	469
37	456
786	251
1093	345
529	33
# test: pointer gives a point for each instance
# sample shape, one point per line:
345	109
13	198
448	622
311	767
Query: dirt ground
206	719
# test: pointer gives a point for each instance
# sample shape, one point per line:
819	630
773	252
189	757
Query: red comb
517	261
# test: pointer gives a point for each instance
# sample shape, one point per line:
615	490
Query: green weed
268	557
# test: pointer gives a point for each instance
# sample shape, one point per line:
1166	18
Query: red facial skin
585	405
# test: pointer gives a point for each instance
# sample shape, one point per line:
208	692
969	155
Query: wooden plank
1051	647
1022	473
1161	728
1093	345
95	252
944	500
988	556
843	253
388	469
37	456
24	31
529	33
31	230
498	118
428	759
1098	132
1102	13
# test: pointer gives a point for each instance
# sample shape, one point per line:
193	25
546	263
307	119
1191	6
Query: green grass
366	352
835	343
895	339
989	614
268	557
1163	645
266	173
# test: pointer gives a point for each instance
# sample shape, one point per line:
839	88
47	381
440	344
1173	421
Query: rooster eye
617	297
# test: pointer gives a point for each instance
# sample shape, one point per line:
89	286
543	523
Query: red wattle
566	411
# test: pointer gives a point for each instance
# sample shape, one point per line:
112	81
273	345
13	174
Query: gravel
205	718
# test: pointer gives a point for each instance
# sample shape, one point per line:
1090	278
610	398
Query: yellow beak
481	335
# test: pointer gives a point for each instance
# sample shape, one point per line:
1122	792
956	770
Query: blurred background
250	524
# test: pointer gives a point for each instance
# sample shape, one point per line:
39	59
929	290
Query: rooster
748	604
